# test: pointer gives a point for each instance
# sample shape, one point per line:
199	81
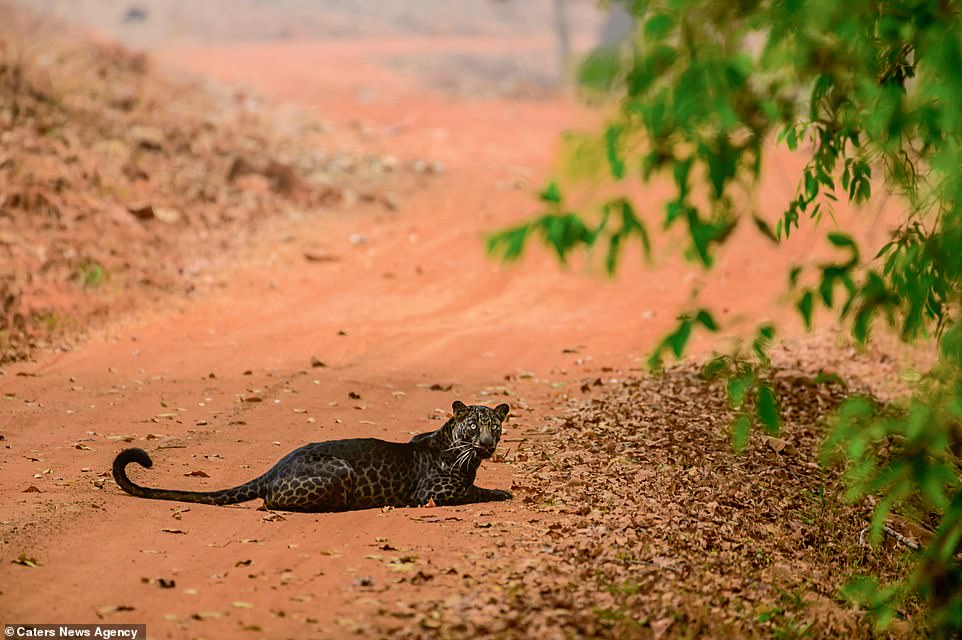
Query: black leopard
361	473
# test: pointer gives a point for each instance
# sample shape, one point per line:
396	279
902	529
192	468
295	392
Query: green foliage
91	274
565	231
870	91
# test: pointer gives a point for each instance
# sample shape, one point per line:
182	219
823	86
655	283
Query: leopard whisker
465	457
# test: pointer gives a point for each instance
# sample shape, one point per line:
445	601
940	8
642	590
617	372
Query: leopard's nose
487	440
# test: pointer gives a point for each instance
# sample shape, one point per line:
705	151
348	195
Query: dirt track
411	303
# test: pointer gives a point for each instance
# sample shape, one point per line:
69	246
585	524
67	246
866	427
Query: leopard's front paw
500	494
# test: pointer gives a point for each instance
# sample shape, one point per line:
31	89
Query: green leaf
630	223
793	276
611	257
760	344
951	344
820	88
741	428
706	320
714	367
767	408
508	243
722	160
658	26
805	305
679	338
766	230
563	232
551	193
681	170
600	69
612	149
811	186
738	388
841	239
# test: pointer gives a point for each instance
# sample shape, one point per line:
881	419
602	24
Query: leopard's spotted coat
361	473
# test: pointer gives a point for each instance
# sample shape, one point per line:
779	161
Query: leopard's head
476	431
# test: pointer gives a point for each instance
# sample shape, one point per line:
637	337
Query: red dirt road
410	303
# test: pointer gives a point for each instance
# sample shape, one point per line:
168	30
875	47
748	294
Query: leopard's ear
502	411
459	407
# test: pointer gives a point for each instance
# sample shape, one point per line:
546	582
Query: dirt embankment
119	184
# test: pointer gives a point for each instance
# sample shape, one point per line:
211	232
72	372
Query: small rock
167	215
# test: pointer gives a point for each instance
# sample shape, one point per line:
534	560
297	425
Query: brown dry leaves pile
647	524
116	178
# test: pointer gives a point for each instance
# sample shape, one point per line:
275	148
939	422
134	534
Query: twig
908	542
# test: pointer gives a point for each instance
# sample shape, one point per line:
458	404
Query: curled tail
243	493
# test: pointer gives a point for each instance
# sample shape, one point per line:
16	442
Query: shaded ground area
368	318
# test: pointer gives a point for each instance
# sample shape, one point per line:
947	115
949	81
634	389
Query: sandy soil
224	384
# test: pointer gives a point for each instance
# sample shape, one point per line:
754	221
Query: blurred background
536	38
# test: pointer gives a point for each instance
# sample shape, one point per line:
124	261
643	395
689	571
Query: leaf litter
649	525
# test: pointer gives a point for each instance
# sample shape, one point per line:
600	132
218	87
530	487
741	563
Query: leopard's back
383	473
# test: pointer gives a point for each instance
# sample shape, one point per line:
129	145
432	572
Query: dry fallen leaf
106	610
207	615
169	530
26	561
420	578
